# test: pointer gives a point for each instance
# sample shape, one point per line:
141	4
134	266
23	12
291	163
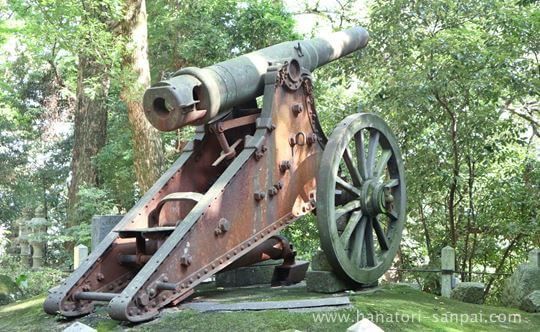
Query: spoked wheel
361	198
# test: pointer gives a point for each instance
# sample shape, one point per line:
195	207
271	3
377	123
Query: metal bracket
153	217
219	127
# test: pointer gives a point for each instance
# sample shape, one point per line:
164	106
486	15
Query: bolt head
292	141
312	138
284	165
142	299
297	109
224	225
186	260
259	196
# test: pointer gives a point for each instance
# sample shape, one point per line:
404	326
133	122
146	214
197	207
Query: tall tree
147	149
90	129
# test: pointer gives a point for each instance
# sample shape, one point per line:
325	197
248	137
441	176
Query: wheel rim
361	198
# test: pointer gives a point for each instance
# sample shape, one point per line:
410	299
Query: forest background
458	82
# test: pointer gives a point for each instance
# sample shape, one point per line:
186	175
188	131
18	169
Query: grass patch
390	306
27	315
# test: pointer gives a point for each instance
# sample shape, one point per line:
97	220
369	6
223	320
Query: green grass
390	306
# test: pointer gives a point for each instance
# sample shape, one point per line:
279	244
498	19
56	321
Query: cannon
254	166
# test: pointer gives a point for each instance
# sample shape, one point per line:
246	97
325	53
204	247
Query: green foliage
442	73
92	201
201	33
37	282
304	236
115	160
29	282
9	290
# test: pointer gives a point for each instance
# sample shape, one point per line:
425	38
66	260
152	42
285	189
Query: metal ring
300	133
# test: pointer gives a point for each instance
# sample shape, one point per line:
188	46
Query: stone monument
101	226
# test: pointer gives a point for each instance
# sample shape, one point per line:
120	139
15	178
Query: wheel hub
374	197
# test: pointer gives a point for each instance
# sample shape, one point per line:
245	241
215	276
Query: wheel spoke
347	208
348	187
381	236
349	228
370	248
392	215
360	154
353	171
392	183
356	255
385	157
372	151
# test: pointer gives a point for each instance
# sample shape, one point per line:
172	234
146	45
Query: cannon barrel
194	96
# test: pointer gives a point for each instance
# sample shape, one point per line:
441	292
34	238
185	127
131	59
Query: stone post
102	226
534	258
24	230
448	266
38	226
80	252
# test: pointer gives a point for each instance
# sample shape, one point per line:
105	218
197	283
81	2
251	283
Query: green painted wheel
361	198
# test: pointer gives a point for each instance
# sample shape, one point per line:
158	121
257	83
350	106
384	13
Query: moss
430	313
27	315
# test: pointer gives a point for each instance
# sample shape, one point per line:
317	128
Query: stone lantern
24	231
14	249
38	226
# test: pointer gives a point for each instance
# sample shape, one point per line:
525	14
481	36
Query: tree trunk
467	256
451	203
90	129
454	184
426	233
147	149
506	253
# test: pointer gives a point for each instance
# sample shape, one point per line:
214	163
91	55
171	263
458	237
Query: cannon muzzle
194	96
